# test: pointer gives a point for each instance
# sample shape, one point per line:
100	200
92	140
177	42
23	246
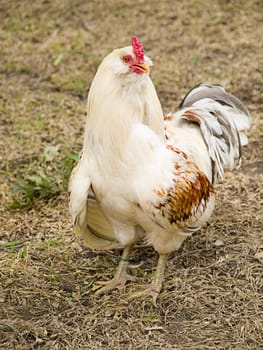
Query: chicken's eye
126	59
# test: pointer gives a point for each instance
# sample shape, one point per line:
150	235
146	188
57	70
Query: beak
143	67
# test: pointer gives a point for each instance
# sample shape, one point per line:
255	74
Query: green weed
11	244
52	242
58	59
48	180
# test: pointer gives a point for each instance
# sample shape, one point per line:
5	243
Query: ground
212	295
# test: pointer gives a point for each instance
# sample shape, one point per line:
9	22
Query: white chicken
142	175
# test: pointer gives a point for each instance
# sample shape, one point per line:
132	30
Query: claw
115	283
155	287
152	291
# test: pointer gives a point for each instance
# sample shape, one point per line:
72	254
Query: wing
79	185
187	202
88	219
96	230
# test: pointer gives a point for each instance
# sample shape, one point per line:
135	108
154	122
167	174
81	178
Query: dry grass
212	298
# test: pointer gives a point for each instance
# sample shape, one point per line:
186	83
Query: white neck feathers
115	104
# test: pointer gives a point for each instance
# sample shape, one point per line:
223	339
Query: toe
150	291
116	283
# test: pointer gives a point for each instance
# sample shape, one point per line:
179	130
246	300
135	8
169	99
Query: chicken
145	176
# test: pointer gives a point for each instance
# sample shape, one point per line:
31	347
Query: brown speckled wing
183	204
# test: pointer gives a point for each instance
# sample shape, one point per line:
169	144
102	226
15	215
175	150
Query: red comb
138	49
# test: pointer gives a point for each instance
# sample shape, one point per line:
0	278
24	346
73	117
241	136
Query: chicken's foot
155	287
121	276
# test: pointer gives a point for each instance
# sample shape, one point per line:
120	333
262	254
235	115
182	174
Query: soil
212	295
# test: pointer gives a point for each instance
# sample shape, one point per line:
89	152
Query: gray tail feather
223	121
214	92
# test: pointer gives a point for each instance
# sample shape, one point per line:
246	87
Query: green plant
48	179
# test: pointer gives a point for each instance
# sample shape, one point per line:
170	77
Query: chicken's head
129	60
136	62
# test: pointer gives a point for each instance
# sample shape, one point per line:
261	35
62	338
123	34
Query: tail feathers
213	92
223	121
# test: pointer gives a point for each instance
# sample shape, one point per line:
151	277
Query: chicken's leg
121	276
155	287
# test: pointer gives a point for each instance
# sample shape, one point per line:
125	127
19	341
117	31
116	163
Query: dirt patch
212	297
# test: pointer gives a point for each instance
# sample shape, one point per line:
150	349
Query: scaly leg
155	287
121	276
